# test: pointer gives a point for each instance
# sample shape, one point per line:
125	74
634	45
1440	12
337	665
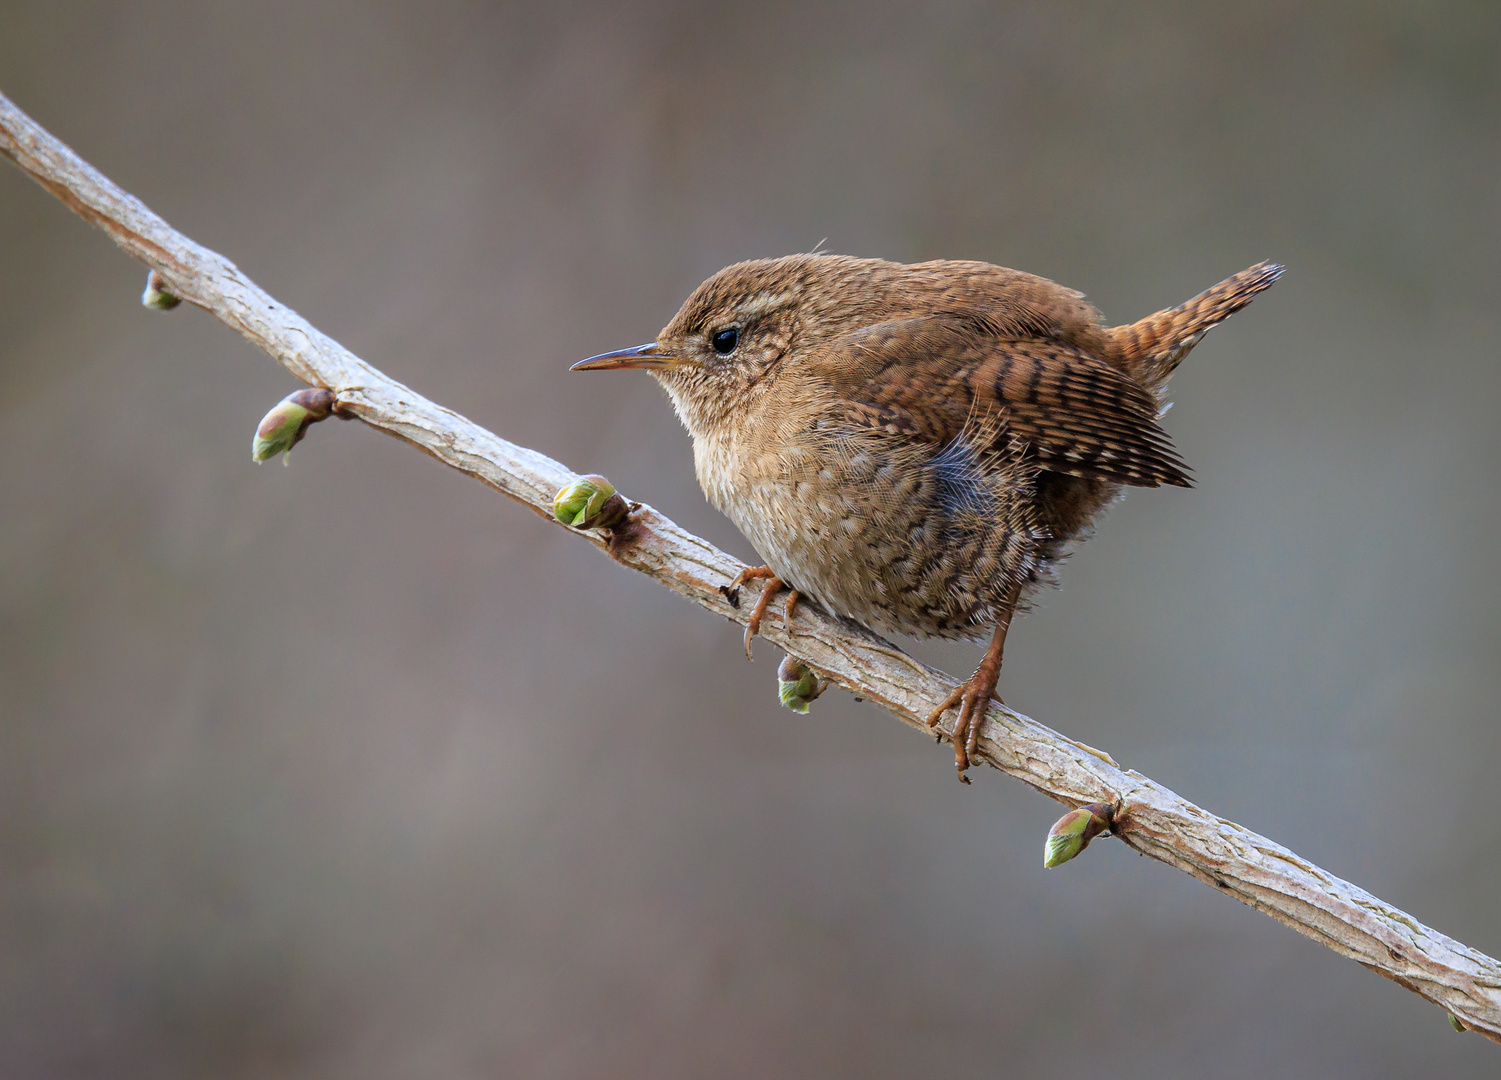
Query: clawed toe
973	698
731	592
773	586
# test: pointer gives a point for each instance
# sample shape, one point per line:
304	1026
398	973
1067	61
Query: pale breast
886	531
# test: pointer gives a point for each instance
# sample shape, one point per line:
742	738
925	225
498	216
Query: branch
1147	816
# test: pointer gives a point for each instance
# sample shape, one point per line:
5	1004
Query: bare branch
1146	815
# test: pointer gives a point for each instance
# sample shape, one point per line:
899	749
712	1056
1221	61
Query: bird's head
738	327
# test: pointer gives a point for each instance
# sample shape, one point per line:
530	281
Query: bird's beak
651	356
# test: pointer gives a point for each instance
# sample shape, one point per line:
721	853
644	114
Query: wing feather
928	378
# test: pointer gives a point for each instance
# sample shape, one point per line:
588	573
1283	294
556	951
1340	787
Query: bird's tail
1151	348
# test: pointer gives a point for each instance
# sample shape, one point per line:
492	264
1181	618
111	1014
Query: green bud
797	685
284	426
1456	1024
1072	833
156	294
590	502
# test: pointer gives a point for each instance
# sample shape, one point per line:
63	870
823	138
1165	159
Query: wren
915	446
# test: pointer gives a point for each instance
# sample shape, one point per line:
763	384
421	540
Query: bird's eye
726	340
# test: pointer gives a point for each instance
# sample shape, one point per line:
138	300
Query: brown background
355	769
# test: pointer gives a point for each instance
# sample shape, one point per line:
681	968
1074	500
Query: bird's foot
768	593
973	696
731	592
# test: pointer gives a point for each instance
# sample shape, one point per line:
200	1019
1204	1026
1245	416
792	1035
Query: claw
768	592
753	625
731	591
973	697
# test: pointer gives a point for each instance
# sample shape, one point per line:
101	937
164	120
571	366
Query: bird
917	446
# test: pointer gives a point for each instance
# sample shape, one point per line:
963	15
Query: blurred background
355	769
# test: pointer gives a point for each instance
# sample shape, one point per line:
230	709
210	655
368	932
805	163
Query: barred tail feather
1151	348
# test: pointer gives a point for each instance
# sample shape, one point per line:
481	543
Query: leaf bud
797	684
1072	833
589	502
284	426
156	294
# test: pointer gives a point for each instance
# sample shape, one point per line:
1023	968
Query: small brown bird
914	446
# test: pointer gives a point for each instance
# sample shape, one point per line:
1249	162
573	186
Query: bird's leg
974	695
768	593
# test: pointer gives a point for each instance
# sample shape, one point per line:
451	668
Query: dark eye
726	340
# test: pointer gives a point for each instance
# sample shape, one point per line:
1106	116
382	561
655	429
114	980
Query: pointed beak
651	356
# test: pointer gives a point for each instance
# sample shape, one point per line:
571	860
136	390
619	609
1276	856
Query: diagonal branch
1147	816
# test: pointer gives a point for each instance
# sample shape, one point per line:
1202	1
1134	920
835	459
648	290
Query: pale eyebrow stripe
761	303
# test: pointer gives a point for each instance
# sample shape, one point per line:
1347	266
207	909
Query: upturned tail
1151	348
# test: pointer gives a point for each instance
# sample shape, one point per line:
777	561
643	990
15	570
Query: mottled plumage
913	446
